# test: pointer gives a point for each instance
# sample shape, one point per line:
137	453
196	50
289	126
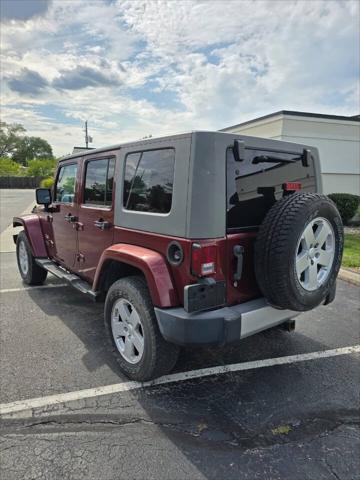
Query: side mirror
43	196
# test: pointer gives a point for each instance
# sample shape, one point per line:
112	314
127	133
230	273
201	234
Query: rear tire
133	332
30	271
298	251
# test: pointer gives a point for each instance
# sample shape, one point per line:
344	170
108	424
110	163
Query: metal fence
20	182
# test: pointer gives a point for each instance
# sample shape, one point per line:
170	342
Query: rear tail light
291	186
203	259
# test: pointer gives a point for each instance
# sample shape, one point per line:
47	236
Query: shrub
8	167
47	182
347	205
40	168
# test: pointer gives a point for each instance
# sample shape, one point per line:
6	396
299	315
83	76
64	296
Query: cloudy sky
135	68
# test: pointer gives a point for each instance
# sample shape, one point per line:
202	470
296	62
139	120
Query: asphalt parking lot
299	420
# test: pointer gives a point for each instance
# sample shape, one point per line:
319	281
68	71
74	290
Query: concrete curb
349	276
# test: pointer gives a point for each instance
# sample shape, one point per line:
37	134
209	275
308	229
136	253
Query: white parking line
35	287
29	405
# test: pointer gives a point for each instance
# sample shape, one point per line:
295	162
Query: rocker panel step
72	279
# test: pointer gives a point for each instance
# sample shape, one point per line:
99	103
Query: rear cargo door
256	179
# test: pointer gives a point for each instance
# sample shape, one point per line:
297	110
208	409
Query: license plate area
202	296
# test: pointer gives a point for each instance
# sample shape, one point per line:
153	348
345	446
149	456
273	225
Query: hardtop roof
127	144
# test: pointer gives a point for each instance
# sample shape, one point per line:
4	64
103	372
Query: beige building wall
338	142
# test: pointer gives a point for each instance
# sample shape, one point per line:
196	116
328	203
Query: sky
139	68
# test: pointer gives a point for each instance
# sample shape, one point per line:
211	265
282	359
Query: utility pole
88	138
86	135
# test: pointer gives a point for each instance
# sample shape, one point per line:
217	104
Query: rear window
148	181
99	180
255	183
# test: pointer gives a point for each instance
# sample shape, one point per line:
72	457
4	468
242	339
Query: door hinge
79	226
80	258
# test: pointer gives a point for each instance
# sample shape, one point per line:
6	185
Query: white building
336	137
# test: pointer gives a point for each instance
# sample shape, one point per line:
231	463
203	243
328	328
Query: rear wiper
269	159
305	158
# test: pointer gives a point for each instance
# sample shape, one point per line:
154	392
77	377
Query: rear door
64	213
254	183
96	213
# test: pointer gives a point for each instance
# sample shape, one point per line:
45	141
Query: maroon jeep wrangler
195	239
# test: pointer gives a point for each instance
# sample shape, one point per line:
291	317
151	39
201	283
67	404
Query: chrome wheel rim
127	331
23	258
315	254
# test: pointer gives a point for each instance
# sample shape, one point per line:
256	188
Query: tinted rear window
99	181
148	182
255	184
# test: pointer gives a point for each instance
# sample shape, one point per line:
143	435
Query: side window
148	181
99	179
65	184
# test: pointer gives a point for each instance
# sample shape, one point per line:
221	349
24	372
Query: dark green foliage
346	203
32	148
10	136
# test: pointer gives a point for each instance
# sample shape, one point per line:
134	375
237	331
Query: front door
64	214
96	214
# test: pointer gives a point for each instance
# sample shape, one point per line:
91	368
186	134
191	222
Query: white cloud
178	65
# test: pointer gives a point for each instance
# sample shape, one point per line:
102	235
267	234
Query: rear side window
65	184
99	179
148	181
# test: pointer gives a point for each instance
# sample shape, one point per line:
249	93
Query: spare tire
298	251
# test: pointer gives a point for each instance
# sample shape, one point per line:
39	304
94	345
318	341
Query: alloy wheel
315	254
127	330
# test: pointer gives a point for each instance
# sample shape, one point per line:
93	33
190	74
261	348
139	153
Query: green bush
47	182
8	167
40	168
347	205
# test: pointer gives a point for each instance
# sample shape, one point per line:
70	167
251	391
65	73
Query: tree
41	167
10	136
8	167
30	148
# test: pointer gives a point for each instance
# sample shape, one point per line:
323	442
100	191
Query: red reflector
291	186
203	260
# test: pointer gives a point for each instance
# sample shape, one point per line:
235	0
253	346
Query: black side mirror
43	196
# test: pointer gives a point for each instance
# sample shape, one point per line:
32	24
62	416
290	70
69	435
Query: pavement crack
73	423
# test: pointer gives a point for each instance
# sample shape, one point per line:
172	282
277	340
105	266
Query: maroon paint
151	263
92	241
246	288
33	232
64	233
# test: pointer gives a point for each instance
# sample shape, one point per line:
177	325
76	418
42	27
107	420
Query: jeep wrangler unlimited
194	239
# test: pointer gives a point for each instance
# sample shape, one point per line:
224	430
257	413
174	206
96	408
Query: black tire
159	356
276	249
34	274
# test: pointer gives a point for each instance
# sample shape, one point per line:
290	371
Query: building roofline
353	118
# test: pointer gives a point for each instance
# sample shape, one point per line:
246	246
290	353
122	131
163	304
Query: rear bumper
220	326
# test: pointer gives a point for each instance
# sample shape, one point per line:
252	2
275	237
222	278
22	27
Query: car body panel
33	230
152	264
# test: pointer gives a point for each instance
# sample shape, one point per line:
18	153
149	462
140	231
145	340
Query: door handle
70	218
102	224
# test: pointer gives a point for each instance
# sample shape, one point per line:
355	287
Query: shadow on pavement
293	421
